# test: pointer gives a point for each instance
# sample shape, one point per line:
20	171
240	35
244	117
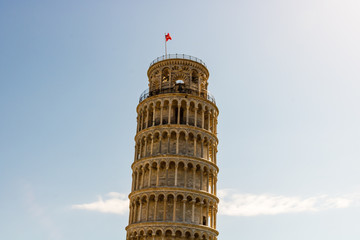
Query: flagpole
165	45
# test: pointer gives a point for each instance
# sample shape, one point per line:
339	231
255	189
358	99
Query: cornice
174	157
175	190
185	95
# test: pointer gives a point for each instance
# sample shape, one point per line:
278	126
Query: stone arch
170	198
168	232
165	111
199	143
191	144
165	76
182	144
188	208
164	145
192	112
178	234
158	110
174	111
194	78
173	142
199	114
156	143
171	174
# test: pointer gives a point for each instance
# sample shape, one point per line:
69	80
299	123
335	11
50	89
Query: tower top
178	73
175	56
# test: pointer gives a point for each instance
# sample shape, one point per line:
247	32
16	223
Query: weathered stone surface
173	194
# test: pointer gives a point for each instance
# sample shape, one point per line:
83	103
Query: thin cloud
116	203
233	203
245	204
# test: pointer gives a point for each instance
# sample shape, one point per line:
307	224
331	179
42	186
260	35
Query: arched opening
165	113
182	144
164	146
171	174
165	75
181	174
194	77
175	112
192	113
157	107
172	142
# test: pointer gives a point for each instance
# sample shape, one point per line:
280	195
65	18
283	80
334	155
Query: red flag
167	37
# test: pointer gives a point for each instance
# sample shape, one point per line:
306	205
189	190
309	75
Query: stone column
215	214
194	177
212	183
155	209
133	182
187	114
213	153
184	209
174	210
207	214
203	118
170	79
167	174
212	217
135	213
145	154
140	150
177	143
209	121
169	119
161	113
213	123
160	81
215	126
176	173
207	181
215	185
201	212
202	148
147	118
154	113
157	175
137	180
160	139
142	178
178	117
152	145
147	210
195	124
165	203
193	211
137	126
185	177
140	208
149	180
168	148
201	179
195	140
199	85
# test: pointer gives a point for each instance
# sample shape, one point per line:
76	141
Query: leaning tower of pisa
174	174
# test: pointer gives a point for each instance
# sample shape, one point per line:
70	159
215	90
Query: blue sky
285	75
